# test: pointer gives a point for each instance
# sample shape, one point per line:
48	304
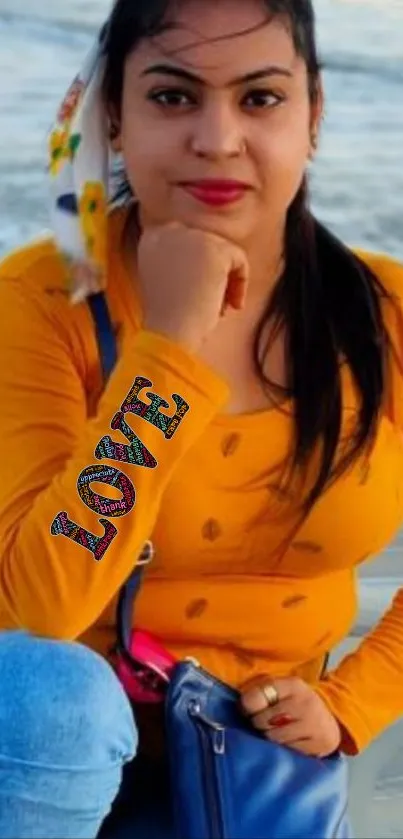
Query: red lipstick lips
216	193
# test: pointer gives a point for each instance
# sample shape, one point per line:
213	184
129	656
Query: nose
217	133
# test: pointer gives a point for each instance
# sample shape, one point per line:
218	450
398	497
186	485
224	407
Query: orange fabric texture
235	582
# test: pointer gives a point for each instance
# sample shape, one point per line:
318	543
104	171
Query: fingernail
281	720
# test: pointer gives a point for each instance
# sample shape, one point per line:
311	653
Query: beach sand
376	802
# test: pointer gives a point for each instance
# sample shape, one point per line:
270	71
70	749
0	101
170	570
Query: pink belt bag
144	666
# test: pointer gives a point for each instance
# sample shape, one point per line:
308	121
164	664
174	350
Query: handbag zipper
212	738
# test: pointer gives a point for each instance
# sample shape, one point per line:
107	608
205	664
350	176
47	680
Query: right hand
187	279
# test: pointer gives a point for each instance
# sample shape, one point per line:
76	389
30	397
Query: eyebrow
179	72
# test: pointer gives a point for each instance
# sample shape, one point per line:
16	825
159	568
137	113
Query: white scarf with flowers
79	167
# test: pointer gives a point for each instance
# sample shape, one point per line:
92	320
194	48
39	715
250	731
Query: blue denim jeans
68	742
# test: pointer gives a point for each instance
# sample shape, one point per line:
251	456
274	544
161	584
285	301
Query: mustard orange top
234	581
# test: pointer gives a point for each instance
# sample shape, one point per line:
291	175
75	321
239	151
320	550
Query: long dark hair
327	299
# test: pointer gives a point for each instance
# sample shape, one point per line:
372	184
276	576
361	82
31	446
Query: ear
114	130
317	115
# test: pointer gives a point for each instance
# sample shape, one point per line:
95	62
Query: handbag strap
107	349
105	334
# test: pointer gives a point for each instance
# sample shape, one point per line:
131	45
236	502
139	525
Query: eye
262	99
171	98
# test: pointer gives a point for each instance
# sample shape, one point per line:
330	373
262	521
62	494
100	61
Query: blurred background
357	189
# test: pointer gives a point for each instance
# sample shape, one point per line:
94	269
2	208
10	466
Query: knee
61	703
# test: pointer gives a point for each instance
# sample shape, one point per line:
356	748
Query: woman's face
202	118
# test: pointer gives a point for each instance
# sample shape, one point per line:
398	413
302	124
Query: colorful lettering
98	545
99	504
136	454
152	412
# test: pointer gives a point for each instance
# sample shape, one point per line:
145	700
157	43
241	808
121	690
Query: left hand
304	722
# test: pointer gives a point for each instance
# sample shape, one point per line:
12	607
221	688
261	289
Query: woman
283	468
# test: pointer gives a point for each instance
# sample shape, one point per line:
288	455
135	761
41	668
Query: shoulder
38	264
34	293
39	314
389	272
40	269
33	284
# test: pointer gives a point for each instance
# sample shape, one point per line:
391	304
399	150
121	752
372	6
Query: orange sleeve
365	692
61	560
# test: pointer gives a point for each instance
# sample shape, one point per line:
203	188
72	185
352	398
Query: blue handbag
227	781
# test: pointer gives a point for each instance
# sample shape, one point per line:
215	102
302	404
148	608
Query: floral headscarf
79	169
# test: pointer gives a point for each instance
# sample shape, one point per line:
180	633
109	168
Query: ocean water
357	189
357	181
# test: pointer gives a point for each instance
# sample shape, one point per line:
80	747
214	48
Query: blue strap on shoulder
107	348
104	333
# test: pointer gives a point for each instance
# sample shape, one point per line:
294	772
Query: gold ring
271	695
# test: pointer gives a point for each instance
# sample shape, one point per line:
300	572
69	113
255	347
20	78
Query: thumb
236	290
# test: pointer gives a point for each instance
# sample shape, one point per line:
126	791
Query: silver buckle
147	554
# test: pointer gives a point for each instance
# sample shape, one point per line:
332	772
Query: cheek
142	162
283	158
283	144
149	156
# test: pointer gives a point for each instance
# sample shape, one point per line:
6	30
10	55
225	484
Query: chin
221	223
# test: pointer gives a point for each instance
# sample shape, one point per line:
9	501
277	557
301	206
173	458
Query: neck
265	252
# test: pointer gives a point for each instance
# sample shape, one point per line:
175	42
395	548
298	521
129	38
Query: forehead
222	37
